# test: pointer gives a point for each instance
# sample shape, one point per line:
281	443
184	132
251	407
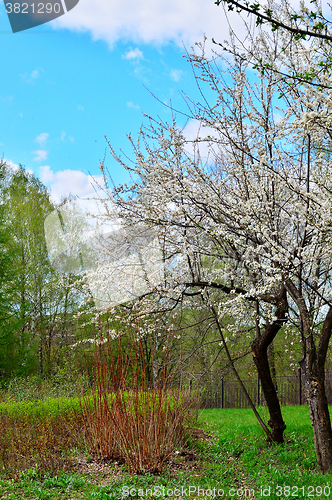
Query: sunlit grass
235	455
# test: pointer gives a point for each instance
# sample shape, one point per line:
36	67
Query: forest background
41	309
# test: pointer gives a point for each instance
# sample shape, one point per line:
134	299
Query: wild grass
245	458
65	383
38	440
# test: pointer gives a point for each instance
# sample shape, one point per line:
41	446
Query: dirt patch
105	472
199	434
101	472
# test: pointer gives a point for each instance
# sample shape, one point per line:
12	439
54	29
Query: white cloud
65	182
42	138
130	104
176	74
135	54
40	155
63	137
46	174
15	166
11	164
33	76
150	21
141	72
80	107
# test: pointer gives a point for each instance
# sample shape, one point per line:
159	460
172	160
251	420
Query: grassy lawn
230	455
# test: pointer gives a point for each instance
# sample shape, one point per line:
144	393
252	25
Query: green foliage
6	275
36	303
25	203
48	410
34	388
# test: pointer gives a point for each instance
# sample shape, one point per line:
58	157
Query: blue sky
68	83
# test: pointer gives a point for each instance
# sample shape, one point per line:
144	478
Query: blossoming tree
248	227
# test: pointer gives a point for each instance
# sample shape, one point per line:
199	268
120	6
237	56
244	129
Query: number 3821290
38	8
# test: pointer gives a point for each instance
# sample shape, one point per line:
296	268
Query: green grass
56	407
234	456
51	408
245	459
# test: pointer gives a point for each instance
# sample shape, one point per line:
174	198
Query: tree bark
313	368
272	362
260	355
320	417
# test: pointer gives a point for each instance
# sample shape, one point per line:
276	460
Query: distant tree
41	300
6	274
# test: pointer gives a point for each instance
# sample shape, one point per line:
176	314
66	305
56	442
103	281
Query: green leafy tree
6	275
41	301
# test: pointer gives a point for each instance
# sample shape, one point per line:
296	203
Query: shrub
129	417
36	441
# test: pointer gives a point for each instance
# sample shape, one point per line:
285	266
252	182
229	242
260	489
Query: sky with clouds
91	73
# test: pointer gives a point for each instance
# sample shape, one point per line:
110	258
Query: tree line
36	303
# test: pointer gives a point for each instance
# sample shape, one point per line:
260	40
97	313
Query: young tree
5	264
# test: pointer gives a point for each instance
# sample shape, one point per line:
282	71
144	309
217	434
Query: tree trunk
259	348
320	416
41	364
276	421
313	368
245	392
272	363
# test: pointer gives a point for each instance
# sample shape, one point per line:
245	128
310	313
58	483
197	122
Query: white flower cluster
258	214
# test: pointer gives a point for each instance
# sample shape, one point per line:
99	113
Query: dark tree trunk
41	364
313	368
272	363
260	355
320	416
276	421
